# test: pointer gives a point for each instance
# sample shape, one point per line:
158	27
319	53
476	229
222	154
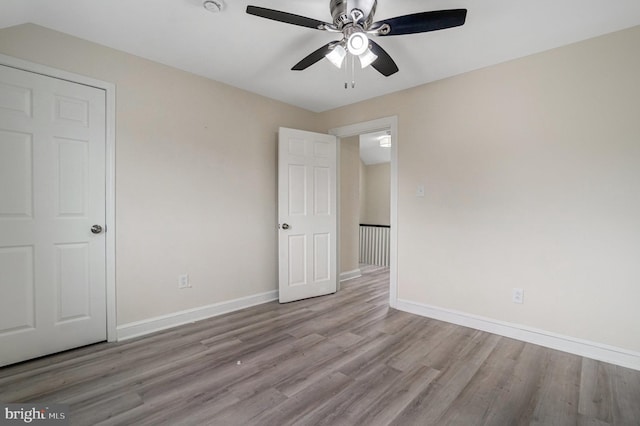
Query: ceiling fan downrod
342	12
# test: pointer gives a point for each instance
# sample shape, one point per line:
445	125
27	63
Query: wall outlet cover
518	295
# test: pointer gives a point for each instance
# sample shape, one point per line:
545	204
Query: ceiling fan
354	20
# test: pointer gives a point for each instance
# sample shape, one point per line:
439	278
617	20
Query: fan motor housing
341	11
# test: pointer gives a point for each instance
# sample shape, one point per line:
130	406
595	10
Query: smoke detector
213	5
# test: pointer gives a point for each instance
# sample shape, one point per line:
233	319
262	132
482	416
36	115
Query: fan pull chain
353	73
346	73
350	60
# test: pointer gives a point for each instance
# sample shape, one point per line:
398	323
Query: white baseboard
349	275
585	348
151	325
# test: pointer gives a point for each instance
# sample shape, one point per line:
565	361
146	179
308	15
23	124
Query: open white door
307	214
52	214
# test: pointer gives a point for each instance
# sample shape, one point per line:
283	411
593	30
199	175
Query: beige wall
531	170
196	176
377	187
349	203
532	174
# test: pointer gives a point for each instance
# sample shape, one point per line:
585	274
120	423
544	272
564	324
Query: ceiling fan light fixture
367	58
337	55
357	43
354	20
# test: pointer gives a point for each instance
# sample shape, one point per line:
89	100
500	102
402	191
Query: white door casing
52	190
307	214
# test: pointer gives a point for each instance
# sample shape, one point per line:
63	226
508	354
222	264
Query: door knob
96	229
285	226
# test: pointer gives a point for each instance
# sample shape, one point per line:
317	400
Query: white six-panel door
52	190
307	214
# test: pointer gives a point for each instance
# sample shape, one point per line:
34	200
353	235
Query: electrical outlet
183	281
518	295
420	191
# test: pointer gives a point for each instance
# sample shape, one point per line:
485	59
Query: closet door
52	215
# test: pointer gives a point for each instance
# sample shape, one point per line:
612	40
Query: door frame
385	123
110	170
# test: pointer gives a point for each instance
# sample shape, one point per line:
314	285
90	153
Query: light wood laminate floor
344	359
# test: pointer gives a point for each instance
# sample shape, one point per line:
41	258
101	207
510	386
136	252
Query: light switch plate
183	281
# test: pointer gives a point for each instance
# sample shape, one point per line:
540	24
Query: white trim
385	123
585	348
110	92
111	214
338	213
350	275
152	325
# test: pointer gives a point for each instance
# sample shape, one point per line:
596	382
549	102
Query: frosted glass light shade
367	58
357	43
337	55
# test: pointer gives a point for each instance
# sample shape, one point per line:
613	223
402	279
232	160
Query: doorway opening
381	132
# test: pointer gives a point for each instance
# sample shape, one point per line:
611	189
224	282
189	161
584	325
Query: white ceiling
370	150
257	54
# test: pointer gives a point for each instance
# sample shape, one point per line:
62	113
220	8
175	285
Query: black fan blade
314	57
384	64
288	18
422	22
